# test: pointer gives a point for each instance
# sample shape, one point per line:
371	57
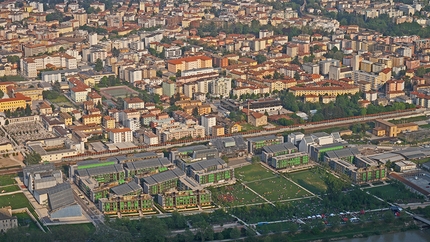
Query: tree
13	59
7	122
99	65
1	94
115	52
260	58
27	110
32	158
178	73
234	233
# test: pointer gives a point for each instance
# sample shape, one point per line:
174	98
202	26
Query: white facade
208	122
133	124
120	135
221	87
30	66
150	138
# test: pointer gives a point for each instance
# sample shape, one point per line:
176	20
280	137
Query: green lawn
277	189
252	172
395	192
11	188
310	180
235	195
7	180
425	126
25	220
13	78
421	161
249	127
16	201
59	99
408	120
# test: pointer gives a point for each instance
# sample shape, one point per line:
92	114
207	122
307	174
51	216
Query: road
88	210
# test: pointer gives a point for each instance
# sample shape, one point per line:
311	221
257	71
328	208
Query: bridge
421	219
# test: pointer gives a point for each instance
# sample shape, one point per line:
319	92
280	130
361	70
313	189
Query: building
61	202
385	128
189	63
32	65
230	147
317	152
12	104
38	177
7	220
168	88
208	121
276	150
211	172
257	119
120	135
221	87
192	153
184	199
147	167
126	204
360	170
133	103
150	138
255	145
293	160
162	182
92	119
181	132
108	122
66	119
325	88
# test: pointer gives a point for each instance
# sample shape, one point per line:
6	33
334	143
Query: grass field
11	188
16	201
13	78
25	220
60	100
235	195
252	172
425	126
277	189
7	180
310	180
395	192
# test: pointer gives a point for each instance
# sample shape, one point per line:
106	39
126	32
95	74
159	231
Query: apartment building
120	135
32	65
189	63
133	103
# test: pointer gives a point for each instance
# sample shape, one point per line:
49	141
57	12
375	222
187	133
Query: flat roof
126	188
279	147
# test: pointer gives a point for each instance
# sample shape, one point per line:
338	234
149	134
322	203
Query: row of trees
344	106
19	112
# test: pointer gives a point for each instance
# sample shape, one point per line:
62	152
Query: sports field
310	179
118	91
256	184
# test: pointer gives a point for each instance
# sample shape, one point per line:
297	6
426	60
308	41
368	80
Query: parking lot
22	132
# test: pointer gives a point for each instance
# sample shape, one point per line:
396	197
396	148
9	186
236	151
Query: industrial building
148	167
230	146
211	172
184	199
277	150
292	160
255	145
